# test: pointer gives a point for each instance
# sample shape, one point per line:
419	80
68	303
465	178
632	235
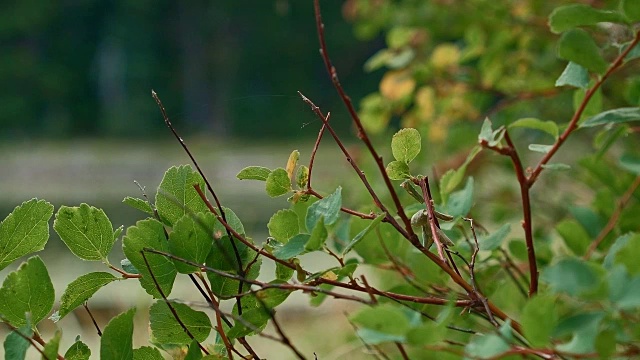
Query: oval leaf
254	173
27	290
614	116
398	170
176	195
329	208
24	231
191	239
567	17
576	45
149	233
549	127
405	145
278	183
81	289
116	342
166	329
283	225
494	240
86	230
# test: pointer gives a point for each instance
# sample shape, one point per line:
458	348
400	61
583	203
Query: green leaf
486	346
81	289
574	235
139	204
224	258
78	351
255	315
329	208
165	329
428	333
50	349
576	45
86	230
549	127
27	290
194	352
606	343
452	178
486	132
372	225
191	239
570	16
495	239
273	297
405	144
318	236
147	353
584	328
381	324
540	148
398	170
614	116
16	346
24	231
293	248
574	75
116	342
283	272
630	162
570	275
624	290
176	195
278	183
556	166
631	9
628	255
283	225
254	173
619	244
539	332
149	233
593	107
460	202
232	220
302	176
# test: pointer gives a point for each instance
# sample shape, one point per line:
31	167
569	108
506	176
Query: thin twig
284	339
95	323
206	180
315	150
34	341
173	311
613	220
573	123
376	199
362	134
473	276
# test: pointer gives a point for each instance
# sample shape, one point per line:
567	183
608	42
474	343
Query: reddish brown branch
613	220
573	123
362	134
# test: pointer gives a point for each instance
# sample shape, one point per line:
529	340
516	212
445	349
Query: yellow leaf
425	103
395	85
445	56
292	162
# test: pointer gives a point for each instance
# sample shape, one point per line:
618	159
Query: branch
573	124
173	311
613	220
362	134
525	185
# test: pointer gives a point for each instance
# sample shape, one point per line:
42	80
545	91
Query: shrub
448	276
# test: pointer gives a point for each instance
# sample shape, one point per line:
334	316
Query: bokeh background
78	123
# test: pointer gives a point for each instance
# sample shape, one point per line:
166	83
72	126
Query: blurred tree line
87	67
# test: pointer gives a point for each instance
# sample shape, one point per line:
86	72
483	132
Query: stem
614	217
362	134
573	124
